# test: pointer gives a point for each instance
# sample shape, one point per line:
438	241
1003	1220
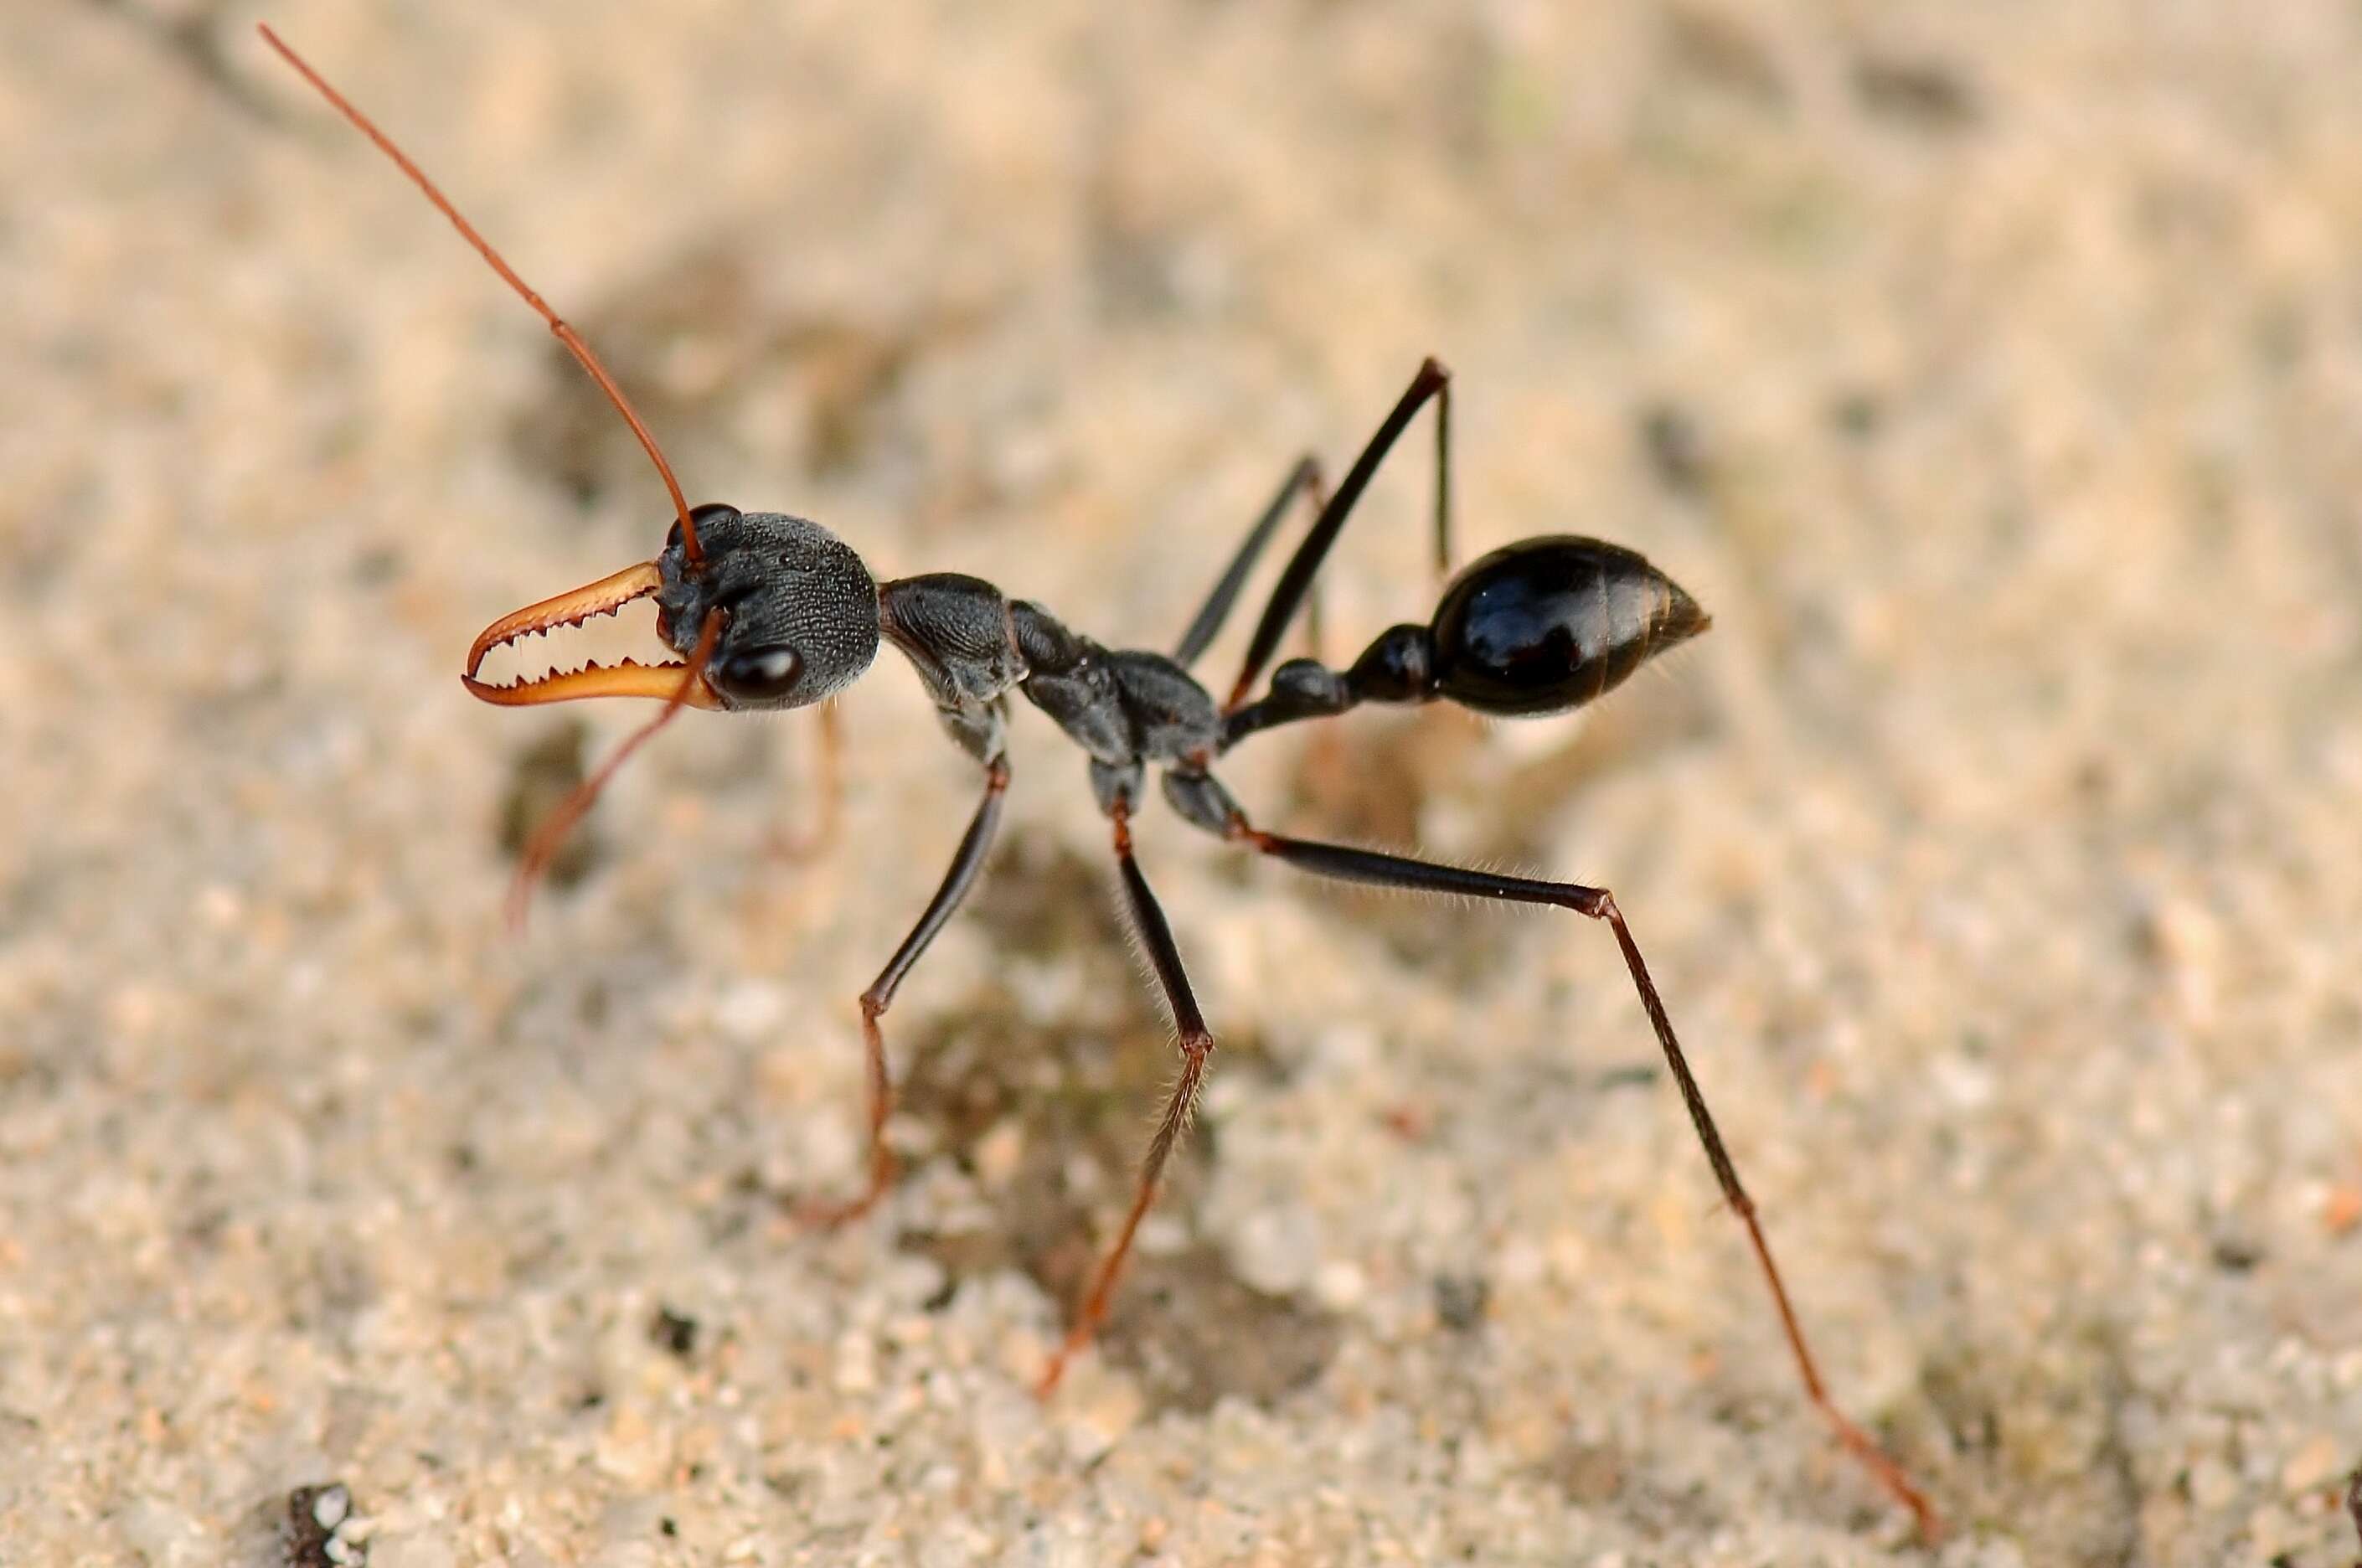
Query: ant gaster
772	612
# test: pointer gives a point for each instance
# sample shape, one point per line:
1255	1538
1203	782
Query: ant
771	612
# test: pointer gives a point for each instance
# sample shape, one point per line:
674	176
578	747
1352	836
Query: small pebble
2212	1484
320	1529
1339	1286
2313	1464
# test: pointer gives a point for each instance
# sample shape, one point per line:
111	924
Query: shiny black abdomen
1547	624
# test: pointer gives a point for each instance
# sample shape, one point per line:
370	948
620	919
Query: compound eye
709	511
760	675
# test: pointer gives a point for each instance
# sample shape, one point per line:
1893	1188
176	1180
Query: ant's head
771	612
794	615
798	610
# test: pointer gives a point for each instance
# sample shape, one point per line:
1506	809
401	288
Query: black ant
773	611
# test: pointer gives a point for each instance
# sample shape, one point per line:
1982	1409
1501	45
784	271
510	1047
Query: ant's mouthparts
628	678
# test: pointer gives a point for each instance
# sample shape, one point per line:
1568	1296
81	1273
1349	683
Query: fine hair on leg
1197	1047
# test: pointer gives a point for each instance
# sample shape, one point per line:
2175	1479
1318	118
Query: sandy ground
1994	374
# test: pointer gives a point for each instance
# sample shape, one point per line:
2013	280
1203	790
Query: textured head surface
800	610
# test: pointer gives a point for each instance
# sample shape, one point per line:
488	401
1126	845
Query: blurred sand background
1994	374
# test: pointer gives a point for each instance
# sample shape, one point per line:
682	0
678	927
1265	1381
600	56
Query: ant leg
1431	382
1303	479
966	865
808	839
1420	876
832	773
1196	1048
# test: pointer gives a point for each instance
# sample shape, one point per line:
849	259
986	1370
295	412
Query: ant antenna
543	847
573	340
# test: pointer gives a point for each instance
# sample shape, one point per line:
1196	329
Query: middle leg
1296	580
1302	480
1196	1048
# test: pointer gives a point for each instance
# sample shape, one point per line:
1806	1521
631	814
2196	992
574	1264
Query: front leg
808	839
966	865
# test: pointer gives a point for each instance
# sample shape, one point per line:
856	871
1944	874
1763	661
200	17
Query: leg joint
1596	902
